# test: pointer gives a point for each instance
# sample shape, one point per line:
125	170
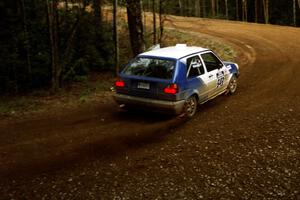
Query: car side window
194	67
211	61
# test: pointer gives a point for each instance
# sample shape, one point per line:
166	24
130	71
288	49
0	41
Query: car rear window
151	67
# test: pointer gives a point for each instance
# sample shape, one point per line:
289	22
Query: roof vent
180	46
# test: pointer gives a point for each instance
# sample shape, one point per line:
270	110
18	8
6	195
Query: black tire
190	107
232	85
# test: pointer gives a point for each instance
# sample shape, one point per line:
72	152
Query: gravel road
246	146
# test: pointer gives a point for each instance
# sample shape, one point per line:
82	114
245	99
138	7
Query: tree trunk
266	10
154	22
144	16
204	8
237	9
116	38
213	8
217	7
244	10
294	13
255	10
190	7
197	8
97	12
226	8
135	24
180	7
27	42
66	5
53	33
186	8
161	21
148	5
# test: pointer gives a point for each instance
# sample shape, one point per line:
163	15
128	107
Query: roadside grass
93	87
173	37
96	87
12	105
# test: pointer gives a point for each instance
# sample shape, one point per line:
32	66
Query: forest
51	43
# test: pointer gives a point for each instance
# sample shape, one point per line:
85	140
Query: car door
197	78
215	72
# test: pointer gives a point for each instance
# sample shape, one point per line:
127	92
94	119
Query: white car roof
178	51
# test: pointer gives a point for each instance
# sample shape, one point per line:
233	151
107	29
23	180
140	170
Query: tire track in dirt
49	144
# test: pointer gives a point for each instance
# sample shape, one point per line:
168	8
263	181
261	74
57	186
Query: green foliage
91	51
25	61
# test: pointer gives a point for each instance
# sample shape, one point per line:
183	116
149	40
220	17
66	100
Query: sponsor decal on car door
211	82
222	78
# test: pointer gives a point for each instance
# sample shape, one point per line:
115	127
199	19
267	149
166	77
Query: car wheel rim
190	106
233	85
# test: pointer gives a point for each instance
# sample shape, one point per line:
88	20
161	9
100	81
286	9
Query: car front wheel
232	85
190	107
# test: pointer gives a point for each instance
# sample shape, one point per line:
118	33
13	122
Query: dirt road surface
246	146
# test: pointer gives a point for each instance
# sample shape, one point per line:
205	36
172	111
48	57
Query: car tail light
171	89
120	83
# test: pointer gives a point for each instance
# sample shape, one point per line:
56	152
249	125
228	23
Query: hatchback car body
175	79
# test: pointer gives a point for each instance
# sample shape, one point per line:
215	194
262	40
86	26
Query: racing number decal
220	78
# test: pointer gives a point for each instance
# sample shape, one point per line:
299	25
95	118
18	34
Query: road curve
246	146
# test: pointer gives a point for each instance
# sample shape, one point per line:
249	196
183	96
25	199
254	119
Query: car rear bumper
175	107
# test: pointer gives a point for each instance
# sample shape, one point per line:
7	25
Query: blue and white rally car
175	79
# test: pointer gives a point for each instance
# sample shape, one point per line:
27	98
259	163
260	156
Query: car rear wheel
232	85
190	107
